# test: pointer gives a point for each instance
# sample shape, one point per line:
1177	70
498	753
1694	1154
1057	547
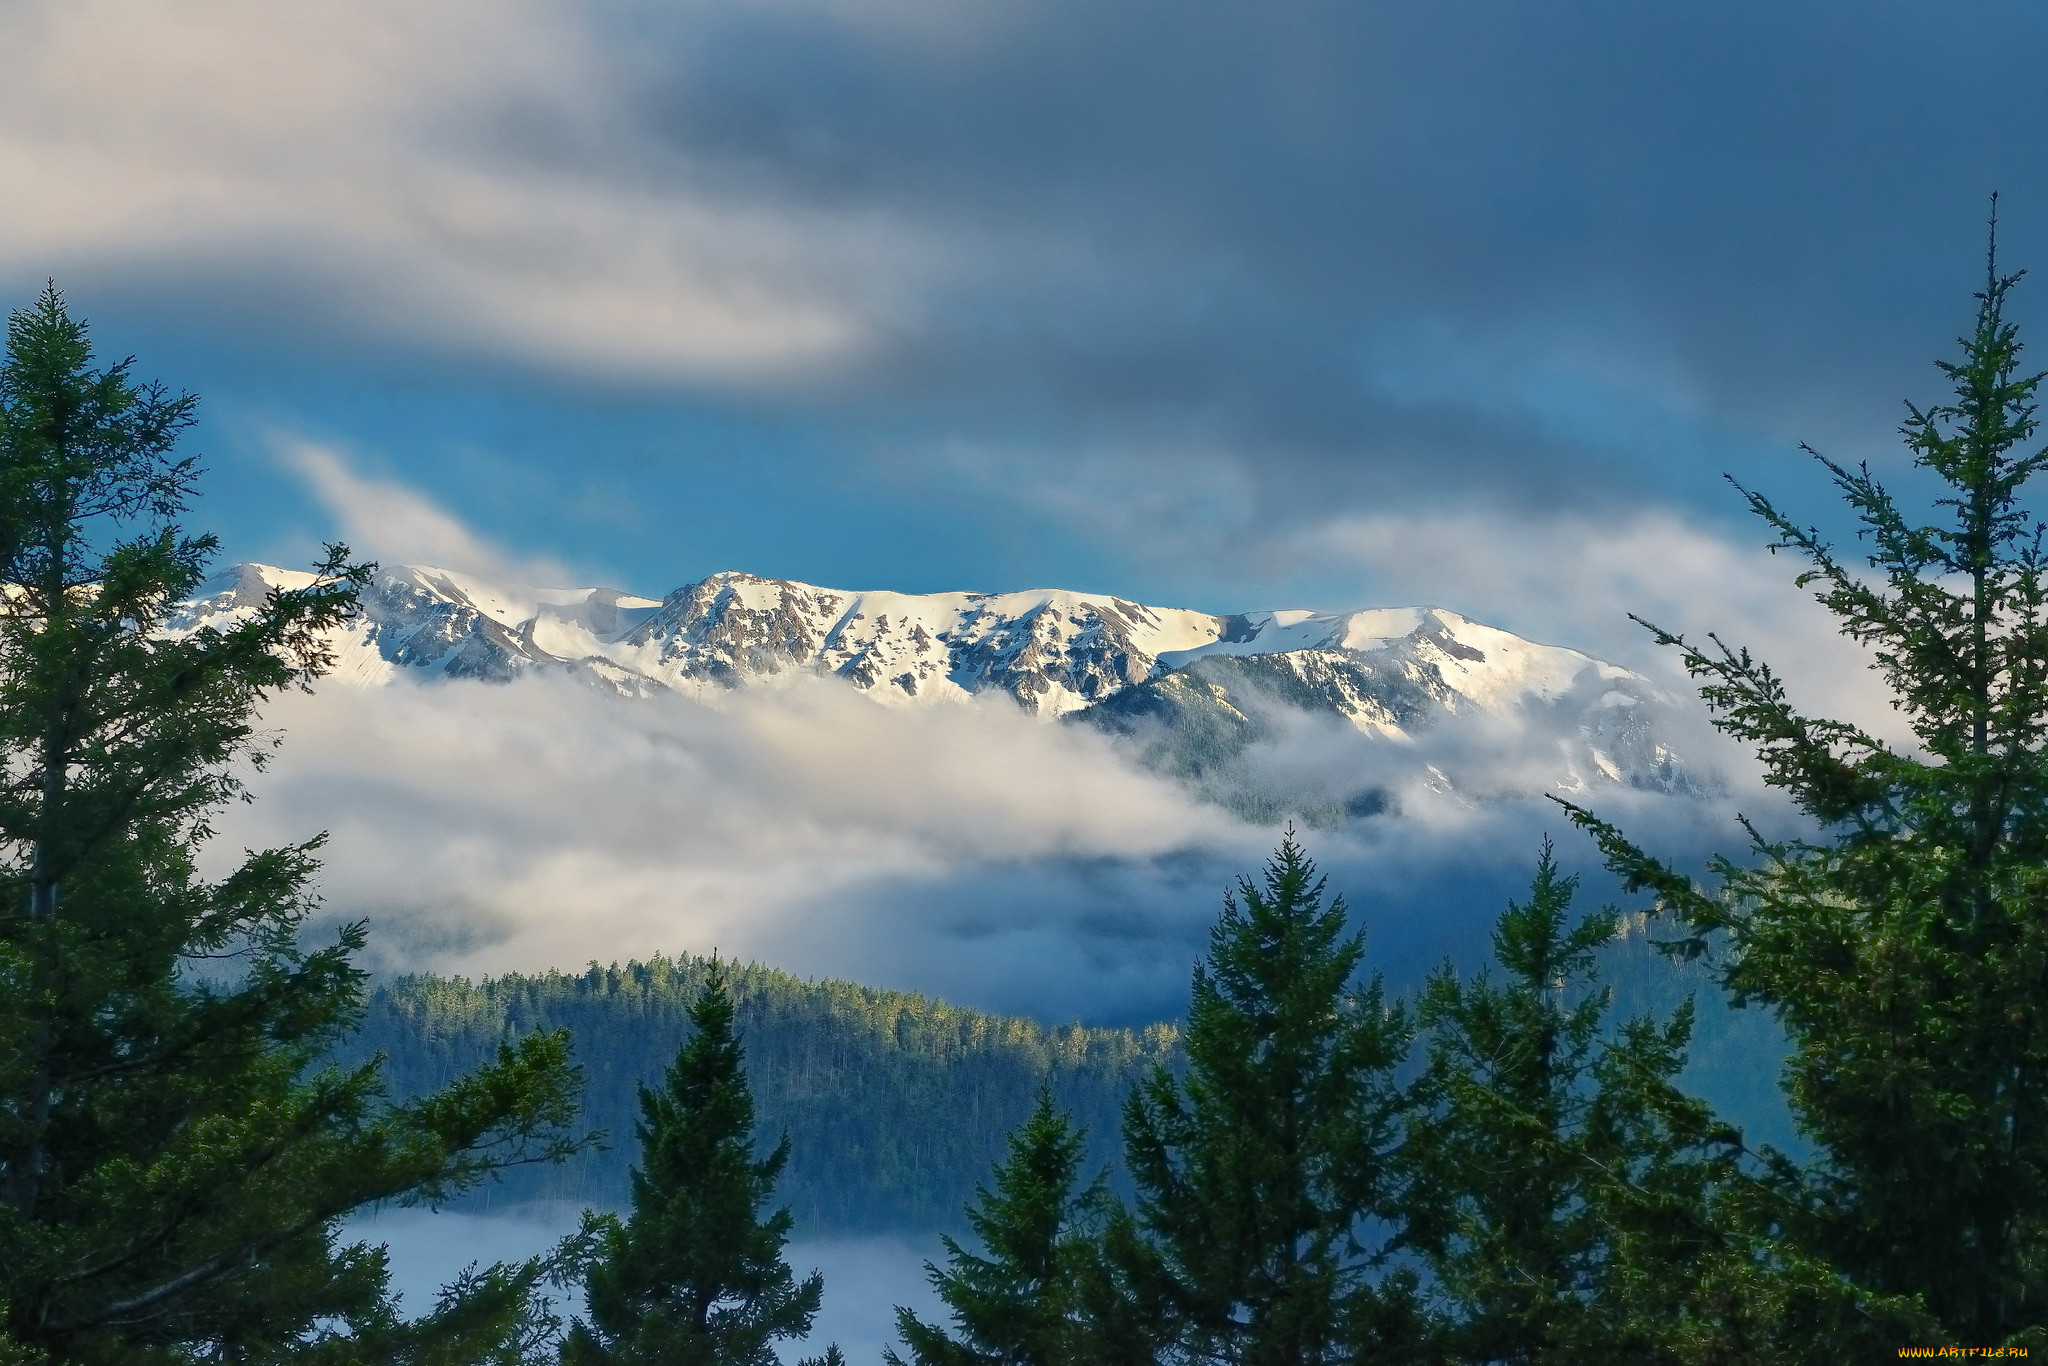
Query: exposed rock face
1054	652
1196	689
417	623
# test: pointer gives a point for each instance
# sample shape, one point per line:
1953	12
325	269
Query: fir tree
1021	1305
1561	1185
1903	940
1260	1175
695	1276
173	1161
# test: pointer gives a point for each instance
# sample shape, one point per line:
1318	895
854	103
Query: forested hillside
895	1104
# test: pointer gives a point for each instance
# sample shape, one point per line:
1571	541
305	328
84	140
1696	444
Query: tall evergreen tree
1903	940
173	1161
695	1276
1260	1175
1022	1304
1561	1185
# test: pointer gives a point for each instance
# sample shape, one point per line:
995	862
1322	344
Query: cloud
542	824
1366	251
415	171
390	521
974	851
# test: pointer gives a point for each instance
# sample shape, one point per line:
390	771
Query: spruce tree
1562	1186
1902	937
1022	1304
1260	1175
695	1275
174	1160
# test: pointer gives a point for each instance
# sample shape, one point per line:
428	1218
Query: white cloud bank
452	172
972	851
542	824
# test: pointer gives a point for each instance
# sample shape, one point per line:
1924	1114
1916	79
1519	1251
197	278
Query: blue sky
1199	305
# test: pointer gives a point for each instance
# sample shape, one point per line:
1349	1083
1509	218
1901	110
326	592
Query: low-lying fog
865	1278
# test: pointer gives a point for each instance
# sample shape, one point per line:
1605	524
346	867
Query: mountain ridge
1219	683
438	620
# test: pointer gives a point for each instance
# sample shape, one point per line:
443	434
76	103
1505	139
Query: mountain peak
1388	671
1054	650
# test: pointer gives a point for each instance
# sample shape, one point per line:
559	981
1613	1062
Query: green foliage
895	1104
174	1161
1734	1056
695	1275
1022	1304
1561	1184
1904	942
502	1315
1260	1174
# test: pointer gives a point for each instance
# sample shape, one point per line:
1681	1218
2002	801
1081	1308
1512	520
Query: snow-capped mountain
1199	688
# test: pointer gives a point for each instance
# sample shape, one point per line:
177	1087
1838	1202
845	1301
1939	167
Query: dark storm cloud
1762	218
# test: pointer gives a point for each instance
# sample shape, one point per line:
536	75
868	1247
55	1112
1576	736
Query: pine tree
174	1162
1260	1175
695	1276
1562	1186
1021	1305
1903	940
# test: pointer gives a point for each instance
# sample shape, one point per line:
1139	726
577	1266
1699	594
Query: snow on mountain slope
435	621
1476	663
1391	673
1053	651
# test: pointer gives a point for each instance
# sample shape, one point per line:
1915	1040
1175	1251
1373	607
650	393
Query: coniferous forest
895	1104
1512	1164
